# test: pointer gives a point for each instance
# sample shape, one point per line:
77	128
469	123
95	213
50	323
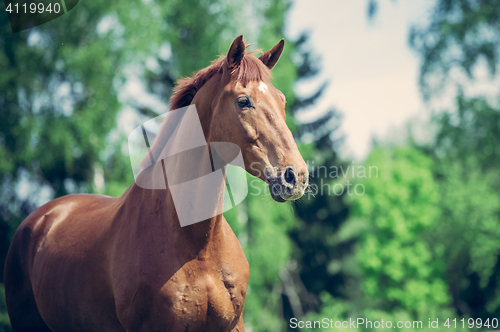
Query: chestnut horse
98	263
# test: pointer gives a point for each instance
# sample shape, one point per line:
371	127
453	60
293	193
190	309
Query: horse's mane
250	69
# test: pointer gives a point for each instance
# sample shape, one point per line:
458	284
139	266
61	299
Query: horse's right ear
236	52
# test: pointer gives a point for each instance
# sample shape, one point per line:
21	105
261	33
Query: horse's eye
244	102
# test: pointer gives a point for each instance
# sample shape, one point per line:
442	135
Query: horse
89	262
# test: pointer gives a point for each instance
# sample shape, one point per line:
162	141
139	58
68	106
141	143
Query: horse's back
66	232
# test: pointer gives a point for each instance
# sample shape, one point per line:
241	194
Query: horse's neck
171	204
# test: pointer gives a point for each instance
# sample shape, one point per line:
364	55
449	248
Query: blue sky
373	73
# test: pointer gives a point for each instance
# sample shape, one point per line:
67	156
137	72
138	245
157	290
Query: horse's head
250	112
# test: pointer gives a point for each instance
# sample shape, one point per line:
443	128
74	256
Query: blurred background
407	89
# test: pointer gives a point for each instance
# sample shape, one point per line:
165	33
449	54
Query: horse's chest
210	299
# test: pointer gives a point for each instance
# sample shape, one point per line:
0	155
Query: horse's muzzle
286	183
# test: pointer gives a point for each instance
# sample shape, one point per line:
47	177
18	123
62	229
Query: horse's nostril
290	176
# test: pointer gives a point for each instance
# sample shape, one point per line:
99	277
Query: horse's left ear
272	56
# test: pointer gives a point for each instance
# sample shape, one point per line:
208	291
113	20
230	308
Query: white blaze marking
263	87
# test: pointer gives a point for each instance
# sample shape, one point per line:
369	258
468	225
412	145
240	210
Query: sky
373	73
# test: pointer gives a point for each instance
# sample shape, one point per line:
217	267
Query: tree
469	185
461	36
401	268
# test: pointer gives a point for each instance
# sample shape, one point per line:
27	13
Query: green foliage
466	166
460	36
401	268
470	133
461	33
470	228
334	309
430	239
4	318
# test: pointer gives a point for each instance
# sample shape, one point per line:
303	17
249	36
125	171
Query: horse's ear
272	56
236	52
